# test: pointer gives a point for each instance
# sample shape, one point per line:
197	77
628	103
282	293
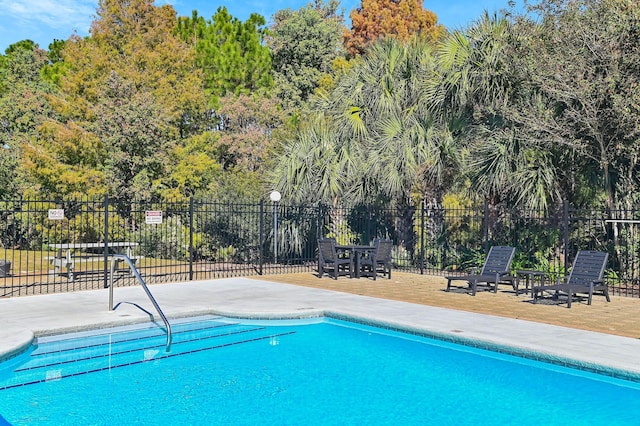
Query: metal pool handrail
134	271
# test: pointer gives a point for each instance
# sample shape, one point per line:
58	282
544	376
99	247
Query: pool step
58	359
147	338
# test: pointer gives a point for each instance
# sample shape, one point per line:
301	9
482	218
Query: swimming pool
320	371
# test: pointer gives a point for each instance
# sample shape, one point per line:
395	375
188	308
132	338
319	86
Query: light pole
275	196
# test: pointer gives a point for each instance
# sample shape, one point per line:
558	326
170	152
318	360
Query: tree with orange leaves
398	18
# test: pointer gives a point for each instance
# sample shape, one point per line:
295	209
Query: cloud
67	14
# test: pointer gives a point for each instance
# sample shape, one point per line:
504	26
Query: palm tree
478	87
379	108
315	165
373	138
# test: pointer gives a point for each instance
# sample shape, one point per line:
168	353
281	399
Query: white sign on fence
56	214
153	216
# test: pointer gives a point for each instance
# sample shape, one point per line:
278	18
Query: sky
45	20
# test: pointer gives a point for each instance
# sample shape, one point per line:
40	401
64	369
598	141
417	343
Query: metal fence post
319	233
368	239
422	214
565	236
191	238
106	244
485	237
261	236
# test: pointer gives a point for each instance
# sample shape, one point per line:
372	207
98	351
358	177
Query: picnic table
68	254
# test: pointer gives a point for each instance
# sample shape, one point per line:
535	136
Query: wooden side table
531	277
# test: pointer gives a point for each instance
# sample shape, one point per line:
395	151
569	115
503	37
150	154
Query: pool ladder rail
121	257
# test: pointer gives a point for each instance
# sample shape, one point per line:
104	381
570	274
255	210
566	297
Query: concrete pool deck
24	317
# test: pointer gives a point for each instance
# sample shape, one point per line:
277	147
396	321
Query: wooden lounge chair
585	277
495	270
378	260
330	262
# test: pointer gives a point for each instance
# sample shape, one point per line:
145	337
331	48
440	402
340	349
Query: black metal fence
64	245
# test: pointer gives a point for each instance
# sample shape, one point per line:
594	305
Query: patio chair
495	270
585	277
377	260
330	261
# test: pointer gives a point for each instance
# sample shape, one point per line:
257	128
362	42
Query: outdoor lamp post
275	196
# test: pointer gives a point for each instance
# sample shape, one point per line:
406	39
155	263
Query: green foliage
238	186
55	51
554	271
224	254
230	52
521	111
8	172
371	137
227	230
304	44
25	226
30	227
537	239
466	259
296	230
137	153
341	232
247	135
313	166
56	68
549	101
167	241
24	106
611	275
401	257
237	74
27	45
234	158
193	169
127	96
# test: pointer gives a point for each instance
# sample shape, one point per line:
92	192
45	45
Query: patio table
530	277
356	251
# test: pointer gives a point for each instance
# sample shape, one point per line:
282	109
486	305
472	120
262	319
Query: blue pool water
313	372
